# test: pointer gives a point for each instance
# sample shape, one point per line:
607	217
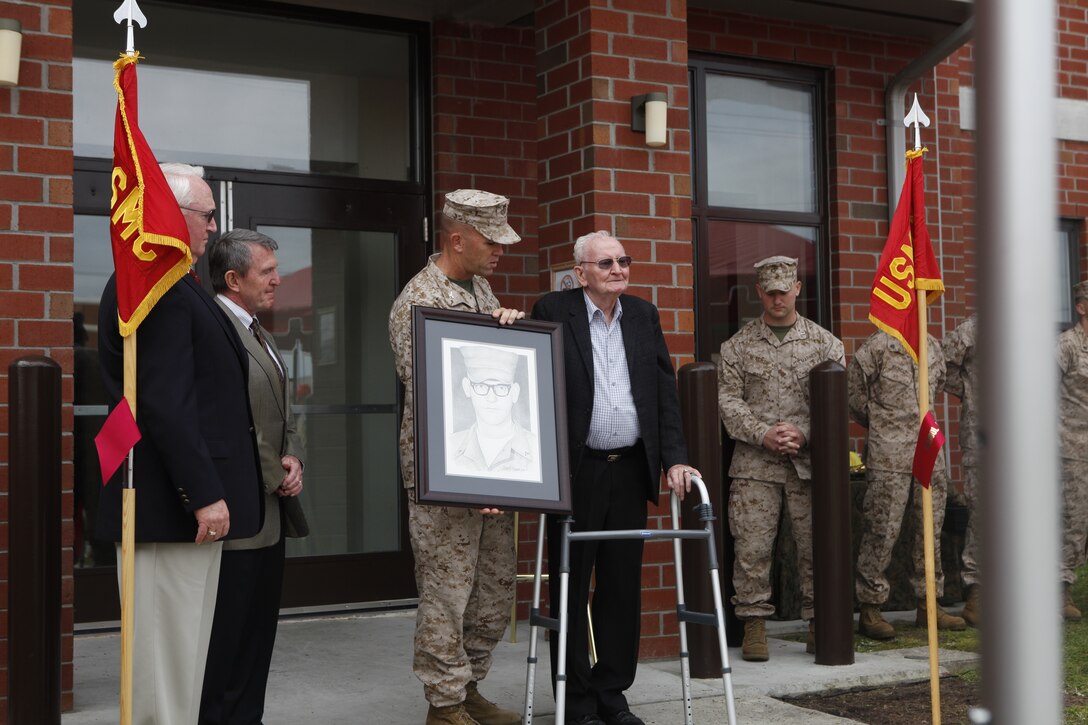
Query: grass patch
1075	656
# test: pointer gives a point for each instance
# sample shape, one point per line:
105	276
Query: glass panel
253	93
93	265
1066	258
331	324
761	152
733	248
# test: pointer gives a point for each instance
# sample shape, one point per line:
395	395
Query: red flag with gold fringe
148	233
907	264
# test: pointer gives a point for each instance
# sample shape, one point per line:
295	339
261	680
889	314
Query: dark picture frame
457	464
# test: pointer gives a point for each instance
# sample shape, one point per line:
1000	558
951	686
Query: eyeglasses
501	390
208	215
607	263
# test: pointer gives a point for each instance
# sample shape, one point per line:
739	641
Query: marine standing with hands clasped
763	401
882	393
961	379
464	558
1073	383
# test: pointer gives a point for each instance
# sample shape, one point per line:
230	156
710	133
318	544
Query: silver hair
180	178
232	251
582	241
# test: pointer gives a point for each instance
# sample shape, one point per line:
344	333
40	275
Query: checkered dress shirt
614	423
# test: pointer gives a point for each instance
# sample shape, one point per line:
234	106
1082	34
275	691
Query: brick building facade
539	111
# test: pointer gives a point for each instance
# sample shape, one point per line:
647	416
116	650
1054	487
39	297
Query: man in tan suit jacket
244	276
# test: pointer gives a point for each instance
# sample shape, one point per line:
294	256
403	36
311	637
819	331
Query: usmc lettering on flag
147	231
902	268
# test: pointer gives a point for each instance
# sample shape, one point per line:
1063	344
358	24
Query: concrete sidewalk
355	669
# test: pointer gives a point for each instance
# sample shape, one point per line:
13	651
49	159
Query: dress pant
243	635
607	495
175	593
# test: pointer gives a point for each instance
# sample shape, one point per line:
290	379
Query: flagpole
916	117
128	13
927	518
128	544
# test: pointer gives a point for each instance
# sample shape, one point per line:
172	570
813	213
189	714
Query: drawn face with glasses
492	400
604	270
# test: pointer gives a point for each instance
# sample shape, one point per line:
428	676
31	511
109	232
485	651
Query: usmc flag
907	263
147	231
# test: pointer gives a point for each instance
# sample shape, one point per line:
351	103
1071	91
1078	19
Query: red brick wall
598	174
36	256
485	135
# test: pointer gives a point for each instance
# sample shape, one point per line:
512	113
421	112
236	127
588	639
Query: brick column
485	135
36	256
595	173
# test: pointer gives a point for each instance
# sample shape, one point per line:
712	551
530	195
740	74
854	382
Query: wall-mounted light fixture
648	116
11	45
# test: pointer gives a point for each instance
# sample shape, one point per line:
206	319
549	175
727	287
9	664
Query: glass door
344	256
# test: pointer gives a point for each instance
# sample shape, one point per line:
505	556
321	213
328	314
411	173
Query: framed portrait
490	412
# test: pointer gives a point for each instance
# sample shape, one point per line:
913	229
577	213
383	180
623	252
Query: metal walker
717	619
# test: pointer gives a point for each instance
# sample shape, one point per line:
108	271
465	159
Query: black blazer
653	382
192	409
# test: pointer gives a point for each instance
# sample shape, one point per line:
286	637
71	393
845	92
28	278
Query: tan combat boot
754	648
486	712
449	715
972	608
1070	613
944	619
871	623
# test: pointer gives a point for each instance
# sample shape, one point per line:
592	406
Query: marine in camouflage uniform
882	393
763	401
464	559
1073	383
961	379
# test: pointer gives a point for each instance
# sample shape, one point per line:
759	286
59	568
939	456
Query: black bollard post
699	408
831	558
34	552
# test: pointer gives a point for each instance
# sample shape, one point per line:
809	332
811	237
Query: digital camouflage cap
776	274
483	211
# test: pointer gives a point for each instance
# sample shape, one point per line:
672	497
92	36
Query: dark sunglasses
208	215
607	263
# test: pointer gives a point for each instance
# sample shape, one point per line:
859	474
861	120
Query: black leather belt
614	454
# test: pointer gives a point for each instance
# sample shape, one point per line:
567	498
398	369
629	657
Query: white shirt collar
241	314
591	308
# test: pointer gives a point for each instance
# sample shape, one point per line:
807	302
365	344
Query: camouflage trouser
885	503
465	572
974	522
754	510
1074	516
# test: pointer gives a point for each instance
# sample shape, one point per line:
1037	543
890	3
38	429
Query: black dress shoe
590	719
623	717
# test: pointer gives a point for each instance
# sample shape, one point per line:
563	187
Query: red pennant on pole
117	437
930	440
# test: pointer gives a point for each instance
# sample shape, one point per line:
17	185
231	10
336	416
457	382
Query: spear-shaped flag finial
917	117
128	13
